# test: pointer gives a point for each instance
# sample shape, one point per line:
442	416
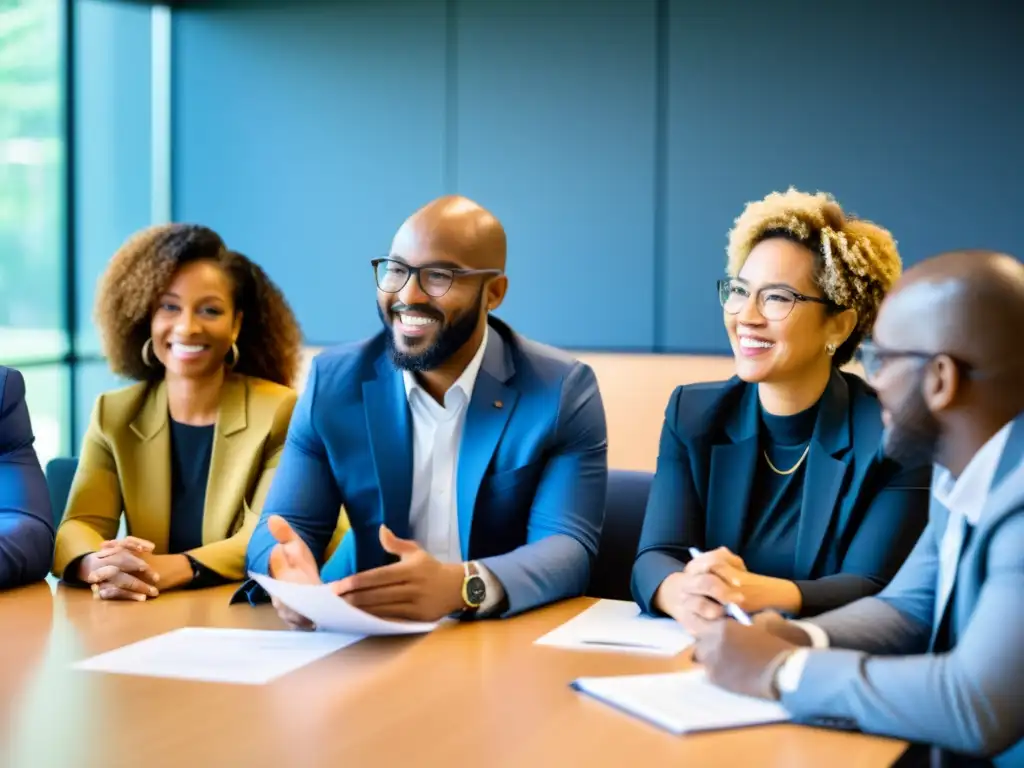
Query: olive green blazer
125	466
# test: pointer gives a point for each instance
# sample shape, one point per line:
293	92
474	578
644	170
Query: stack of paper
681	702
618	625
253	656
247	656
319	604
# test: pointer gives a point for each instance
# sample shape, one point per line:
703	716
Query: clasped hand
120	570
696	596
127	569
417	588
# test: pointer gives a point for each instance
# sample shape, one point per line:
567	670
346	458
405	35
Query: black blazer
861	514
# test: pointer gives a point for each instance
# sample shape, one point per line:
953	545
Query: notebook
681	702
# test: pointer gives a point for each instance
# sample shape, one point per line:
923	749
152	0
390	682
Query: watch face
475	590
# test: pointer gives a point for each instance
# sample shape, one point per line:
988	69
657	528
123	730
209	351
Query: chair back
60	472
623	520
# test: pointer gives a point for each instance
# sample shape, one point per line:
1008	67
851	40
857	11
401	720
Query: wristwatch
474	590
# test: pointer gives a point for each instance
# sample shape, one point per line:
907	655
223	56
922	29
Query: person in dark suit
26	523
777	474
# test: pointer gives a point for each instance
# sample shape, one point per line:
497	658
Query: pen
621	644
731	608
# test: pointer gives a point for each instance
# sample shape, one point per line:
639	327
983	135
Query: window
46	394
33	322
32	276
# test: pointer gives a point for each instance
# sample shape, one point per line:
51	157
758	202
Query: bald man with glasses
471	462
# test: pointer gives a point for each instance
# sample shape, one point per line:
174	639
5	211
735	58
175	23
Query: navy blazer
861	512
26	523
532	466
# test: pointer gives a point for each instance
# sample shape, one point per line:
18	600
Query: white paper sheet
247	656
332	614
681	702
618	625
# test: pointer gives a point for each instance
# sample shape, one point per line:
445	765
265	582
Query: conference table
475	694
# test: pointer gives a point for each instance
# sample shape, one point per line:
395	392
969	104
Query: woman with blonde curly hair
771	491
188	452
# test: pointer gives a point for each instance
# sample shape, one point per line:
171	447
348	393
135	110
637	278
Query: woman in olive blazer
188	452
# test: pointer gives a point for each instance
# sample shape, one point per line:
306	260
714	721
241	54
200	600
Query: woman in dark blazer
771	489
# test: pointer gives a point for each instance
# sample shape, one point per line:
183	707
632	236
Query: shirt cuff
819	638
787	676
494	591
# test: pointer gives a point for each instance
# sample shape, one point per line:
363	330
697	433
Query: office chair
623	520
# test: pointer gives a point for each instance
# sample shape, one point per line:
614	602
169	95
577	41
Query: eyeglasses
773	303
872	357
392	275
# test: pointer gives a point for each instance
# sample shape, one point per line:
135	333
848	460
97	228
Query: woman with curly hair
771	490
188	452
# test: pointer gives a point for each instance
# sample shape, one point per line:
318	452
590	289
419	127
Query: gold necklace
800	461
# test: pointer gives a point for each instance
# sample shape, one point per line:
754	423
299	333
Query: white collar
966	495
465	382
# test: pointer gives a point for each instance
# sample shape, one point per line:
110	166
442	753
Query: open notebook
681	702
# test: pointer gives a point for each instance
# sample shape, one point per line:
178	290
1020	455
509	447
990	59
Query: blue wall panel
907	118
617	140
304	133
556	134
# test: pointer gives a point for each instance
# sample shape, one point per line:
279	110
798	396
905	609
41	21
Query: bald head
950	330
968	304
456	226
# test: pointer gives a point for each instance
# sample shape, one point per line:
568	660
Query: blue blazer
26	522
532	469
861	512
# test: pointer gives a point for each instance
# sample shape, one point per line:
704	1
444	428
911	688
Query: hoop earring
234	356
830	349
146	349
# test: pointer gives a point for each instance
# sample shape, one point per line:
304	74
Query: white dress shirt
964	497
436	438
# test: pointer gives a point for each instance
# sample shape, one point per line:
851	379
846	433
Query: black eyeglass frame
725	284
873	356
453	272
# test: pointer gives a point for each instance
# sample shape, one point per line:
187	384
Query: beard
451	336
913	437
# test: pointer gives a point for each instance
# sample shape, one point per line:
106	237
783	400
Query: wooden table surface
475	694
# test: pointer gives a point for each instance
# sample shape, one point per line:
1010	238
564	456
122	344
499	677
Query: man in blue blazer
937	657
471	462
26	523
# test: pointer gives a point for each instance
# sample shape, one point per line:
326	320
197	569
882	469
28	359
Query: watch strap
197	570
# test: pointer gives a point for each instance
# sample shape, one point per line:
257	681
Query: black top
772	521
191	450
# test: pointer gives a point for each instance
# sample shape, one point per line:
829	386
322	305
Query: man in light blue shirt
938	656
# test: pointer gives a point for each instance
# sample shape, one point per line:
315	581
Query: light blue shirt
964	497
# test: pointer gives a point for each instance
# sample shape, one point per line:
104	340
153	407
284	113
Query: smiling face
786	339
426	330
194	323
